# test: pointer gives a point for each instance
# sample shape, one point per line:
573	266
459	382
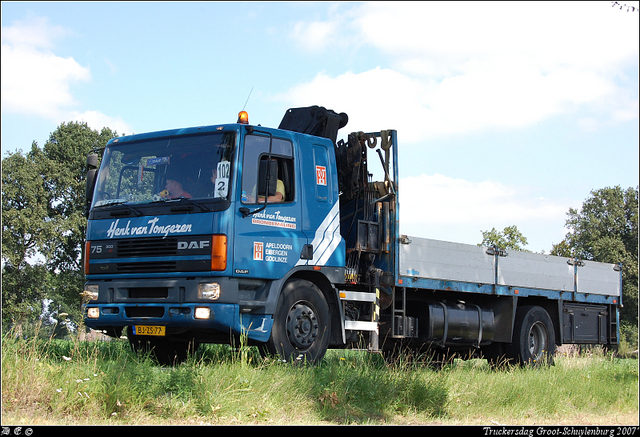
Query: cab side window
263	177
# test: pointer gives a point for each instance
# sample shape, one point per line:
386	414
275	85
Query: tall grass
72	382
596	386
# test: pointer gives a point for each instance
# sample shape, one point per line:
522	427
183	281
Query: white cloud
34	79
35	33
96	120
439	207
455	68
491	96
374	100
338	31
551	34
314	36
456	199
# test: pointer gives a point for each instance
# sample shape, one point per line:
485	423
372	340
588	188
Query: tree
26	228
606	230
510	238
43	223
66	151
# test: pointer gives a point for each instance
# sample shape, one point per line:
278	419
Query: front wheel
533	337
301	326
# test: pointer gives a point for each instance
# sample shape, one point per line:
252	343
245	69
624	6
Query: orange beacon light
243	117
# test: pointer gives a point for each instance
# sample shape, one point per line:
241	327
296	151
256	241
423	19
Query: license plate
149	330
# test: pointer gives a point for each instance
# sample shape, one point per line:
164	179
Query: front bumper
223	317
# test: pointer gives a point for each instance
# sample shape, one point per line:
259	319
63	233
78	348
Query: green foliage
25	201
356	387
510	238
562	249
60	382
575	385
43	225
26	228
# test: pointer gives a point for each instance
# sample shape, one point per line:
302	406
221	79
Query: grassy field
98	383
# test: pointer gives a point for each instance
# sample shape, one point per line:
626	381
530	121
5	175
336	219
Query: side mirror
88	193
92	164
92	160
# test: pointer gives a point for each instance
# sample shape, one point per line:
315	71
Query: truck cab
193	232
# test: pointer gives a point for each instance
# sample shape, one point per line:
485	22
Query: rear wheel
533	337
301	326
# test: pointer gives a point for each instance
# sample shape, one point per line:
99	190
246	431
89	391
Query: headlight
202	313
209	291
93	313
90	292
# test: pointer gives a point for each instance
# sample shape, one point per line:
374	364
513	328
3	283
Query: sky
508	113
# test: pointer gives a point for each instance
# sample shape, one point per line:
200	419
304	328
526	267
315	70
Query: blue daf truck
286	237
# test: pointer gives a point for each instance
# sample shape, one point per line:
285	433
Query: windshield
191	167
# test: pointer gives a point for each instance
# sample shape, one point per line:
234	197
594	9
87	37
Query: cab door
321	206
268	240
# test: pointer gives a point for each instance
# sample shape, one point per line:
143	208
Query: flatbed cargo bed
442	265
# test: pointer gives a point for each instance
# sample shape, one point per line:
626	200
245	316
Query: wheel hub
302	325
537	341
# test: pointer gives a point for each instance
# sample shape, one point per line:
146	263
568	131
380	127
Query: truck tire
301	326
533	338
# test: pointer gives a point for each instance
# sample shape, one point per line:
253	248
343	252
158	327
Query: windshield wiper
190	202
128	209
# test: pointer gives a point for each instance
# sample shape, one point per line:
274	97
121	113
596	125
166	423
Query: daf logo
203	244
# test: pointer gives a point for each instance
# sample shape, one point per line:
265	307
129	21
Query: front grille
147	267
190	253
148	247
